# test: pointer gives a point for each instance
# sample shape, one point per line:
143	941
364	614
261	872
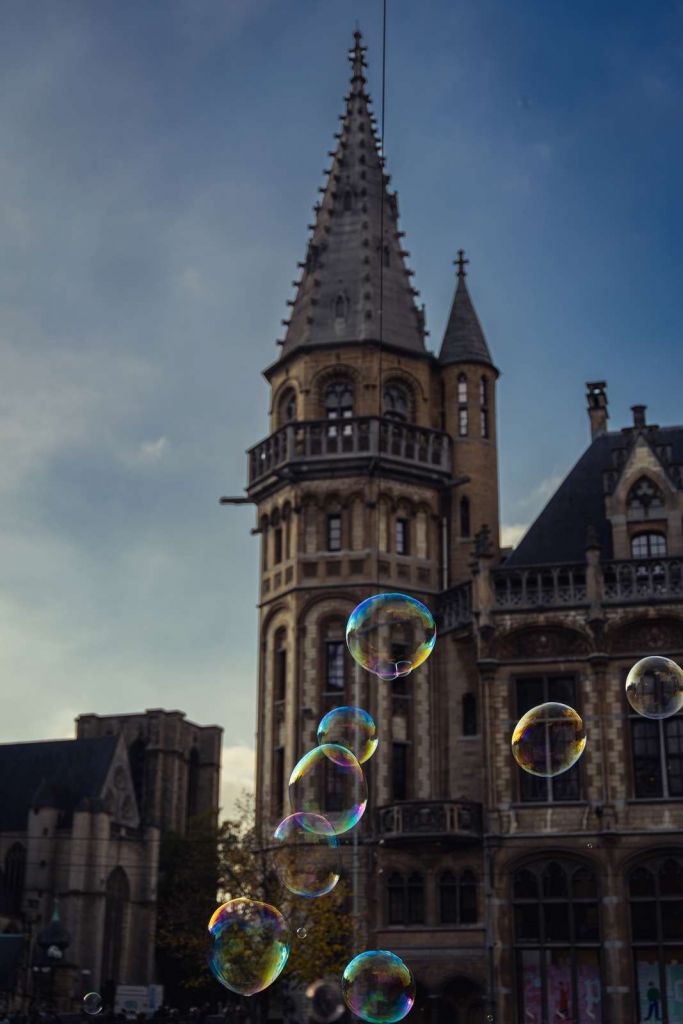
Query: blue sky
158	165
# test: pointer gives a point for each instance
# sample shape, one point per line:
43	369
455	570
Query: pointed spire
355	233
464	340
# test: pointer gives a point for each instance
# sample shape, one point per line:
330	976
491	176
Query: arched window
648	545
193	784
655	891
462	389
645	497
405	898
287	407
15	872
468	897
396	402
339	400
117	895
469	715
458	898
557	942
280	664
334	659
137	753
465	517
484	407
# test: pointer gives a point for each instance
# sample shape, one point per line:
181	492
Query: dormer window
645	498
648	545
396	402
287	407
462	389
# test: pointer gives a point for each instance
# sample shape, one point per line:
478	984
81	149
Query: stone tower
371	479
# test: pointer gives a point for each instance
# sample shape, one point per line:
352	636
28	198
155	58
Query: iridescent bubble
352	728
326	1003
329	782
92	1003
301	932
391	634
250	945
654	687
548	739
306	855
378	987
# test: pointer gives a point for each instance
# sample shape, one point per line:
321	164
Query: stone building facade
512	899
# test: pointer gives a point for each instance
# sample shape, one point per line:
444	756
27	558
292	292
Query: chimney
638	415
596	393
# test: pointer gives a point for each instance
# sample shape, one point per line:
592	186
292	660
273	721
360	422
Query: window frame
402	535
333	532
280	665
661	730
392	390
530	783
340	648
659	944
403	774
649	536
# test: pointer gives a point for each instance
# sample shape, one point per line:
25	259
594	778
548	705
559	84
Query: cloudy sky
158	164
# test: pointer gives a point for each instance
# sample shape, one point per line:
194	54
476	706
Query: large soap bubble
548	739
306	855
352	728
92	1003
390	634
654	687
378	987
250	945
329	782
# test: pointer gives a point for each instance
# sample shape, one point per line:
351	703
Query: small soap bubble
250	945
306	855
352	728
301	932
589	846
654	687
92	1003
329	782
548	739
378	987
325	1000
390	634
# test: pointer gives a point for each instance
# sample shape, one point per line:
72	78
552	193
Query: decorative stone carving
648	635
548	642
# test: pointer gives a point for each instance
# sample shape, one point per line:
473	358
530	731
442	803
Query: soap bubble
352	728
301	932
654	687
548	739
250	945
92	1003
306	856
378	987
326	1003
329	782
390	634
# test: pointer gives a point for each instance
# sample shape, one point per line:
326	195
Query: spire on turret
464	340
354	237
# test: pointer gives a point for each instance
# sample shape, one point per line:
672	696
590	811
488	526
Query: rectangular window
402	537
280	681
335	787
657	751
462	422
334	532
399	771
334	667
536	690
484	417
277	546
278	781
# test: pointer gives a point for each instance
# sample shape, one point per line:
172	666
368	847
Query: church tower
378	471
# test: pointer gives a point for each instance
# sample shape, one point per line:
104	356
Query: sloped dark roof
464	341
355	238
559	533
56	773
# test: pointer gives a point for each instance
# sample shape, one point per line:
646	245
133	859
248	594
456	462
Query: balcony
316	443
455	608
641	580
430	819
552	586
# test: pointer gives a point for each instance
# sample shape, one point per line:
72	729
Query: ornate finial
357	57
461	263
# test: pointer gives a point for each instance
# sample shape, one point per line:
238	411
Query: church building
512	898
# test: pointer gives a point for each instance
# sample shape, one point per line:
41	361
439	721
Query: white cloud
511	534
146	453
238	766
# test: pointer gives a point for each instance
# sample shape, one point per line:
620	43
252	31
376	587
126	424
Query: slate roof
559	533
338	296
463	340
56	773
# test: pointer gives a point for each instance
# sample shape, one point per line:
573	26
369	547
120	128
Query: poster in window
530	978
588	988
559	983
674	985
649	992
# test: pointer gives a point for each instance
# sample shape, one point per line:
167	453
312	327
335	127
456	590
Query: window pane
334	677
395	893
672	919
584	885
402	537
529	694
671	877
554	880
559	985
566	786
673	739
562	689
399	771
588	987
647	978
647	773
529	986
462	422
642	883
527	927
334	533
586	922
416	912
525	885
644	921
556	921
532	788
673	975
468	898
448	898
